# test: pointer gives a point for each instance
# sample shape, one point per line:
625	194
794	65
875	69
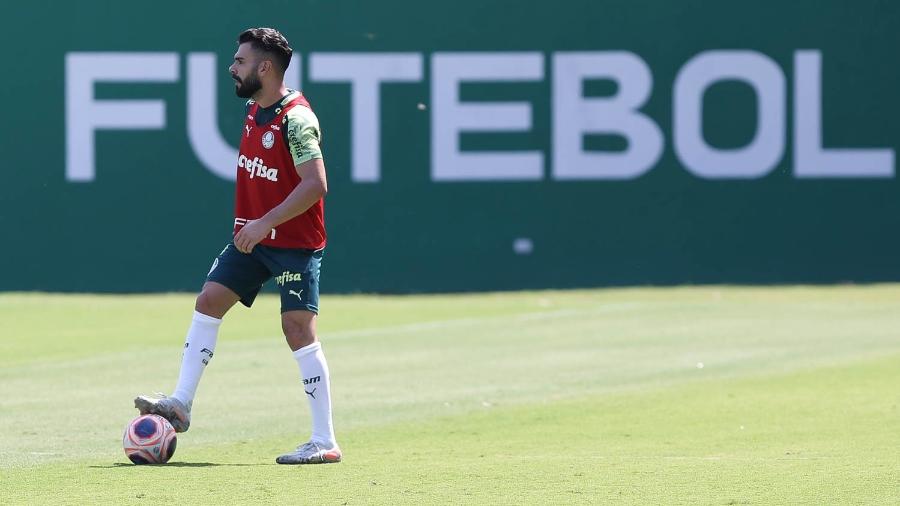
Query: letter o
763	153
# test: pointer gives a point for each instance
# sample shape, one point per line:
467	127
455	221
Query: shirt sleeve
303	134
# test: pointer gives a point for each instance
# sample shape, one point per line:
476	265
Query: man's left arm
313	186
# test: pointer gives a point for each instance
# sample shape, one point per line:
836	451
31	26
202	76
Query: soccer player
279	231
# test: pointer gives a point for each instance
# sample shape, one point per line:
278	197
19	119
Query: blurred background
469	145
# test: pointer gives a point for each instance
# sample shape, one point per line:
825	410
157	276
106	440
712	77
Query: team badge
268	139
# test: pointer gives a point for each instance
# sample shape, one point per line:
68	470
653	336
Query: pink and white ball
149	439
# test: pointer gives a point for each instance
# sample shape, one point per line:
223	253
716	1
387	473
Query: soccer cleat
311	453
170	408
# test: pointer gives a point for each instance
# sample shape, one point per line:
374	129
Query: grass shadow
117	465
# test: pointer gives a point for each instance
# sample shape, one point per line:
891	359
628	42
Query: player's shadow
179	464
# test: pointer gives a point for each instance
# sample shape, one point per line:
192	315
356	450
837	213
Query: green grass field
707	395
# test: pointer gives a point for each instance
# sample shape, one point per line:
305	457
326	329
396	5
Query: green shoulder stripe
302	134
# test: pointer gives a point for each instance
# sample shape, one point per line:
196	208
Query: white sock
316	384
198	350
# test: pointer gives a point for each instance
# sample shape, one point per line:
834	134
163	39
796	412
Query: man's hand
250	234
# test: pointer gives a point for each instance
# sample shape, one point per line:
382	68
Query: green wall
153	217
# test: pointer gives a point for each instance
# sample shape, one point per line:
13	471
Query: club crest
268	139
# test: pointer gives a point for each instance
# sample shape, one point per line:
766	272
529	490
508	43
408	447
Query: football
149	439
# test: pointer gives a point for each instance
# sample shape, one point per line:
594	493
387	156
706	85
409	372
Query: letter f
85	114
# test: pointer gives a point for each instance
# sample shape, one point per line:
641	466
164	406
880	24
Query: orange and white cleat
312	453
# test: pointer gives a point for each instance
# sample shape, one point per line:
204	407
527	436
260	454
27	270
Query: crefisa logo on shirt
257	168
268	139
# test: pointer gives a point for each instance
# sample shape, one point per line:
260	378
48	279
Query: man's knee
299	328
215	300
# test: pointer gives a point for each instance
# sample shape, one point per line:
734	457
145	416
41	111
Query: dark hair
271	42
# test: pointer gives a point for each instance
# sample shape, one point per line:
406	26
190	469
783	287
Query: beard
246	88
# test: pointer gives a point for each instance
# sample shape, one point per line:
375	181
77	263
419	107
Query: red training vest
266	176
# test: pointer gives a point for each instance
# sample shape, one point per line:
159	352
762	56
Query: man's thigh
296	273
241	273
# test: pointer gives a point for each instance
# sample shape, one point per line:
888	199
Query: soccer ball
149	439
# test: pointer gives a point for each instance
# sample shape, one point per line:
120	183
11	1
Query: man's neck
266	97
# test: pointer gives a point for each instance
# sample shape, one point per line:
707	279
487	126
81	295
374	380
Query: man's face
244	71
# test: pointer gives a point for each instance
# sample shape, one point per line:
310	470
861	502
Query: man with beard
279	232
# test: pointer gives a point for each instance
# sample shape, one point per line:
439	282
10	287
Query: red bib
266	176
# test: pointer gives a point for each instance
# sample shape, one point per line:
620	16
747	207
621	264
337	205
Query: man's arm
313	186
